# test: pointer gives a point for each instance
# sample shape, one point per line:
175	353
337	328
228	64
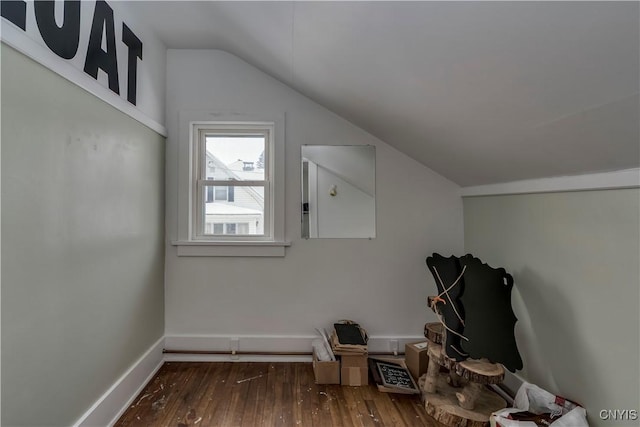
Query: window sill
192	248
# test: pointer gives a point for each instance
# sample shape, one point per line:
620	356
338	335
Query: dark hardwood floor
264	394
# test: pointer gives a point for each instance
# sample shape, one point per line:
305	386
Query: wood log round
421	383
454	380
433	371
444	407
433	332
480	371
435	351
469	395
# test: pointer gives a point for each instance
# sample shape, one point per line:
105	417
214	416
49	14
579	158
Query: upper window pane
235	157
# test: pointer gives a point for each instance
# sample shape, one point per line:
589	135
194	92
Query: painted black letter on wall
15	11
64	40
96	57
135	51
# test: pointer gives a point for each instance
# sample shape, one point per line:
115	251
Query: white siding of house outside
247	206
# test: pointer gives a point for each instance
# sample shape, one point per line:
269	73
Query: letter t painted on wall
135	51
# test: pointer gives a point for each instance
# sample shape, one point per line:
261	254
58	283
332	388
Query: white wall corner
113	403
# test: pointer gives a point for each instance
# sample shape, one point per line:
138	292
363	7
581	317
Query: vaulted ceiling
481	92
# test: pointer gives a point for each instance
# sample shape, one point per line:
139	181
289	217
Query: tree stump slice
454	379
421	381
469	395
480	371
433	332
431	377
435	351
443	406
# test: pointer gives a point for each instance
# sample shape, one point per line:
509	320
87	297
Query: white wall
82	244
382	283
574	258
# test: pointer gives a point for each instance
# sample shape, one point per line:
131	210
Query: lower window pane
241	212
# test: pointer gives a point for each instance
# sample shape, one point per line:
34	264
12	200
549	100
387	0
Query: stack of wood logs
457	395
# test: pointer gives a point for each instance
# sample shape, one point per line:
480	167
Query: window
232	182
225	194
260	232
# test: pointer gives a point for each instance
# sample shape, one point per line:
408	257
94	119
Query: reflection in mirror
338	191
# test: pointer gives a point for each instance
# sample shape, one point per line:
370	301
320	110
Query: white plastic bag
532	398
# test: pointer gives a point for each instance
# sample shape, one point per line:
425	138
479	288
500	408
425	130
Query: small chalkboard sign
395	376
349	333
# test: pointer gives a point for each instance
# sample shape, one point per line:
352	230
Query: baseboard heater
503	392
239	353
259	353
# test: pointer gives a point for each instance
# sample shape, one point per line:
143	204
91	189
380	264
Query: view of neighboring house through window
233	183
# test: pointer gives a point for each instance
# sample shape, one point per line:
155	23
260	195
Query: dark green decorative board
489	318
478	309
445	271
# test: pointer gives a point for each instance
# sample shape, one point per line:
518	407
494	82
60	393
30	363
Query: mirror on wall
338	191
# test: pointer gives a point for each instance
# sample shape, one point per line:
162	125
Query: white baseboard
112	404
261	343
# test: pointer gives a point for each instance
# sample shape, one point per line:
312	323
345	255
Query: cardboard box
415	355
354	360
354	369
354	376
326	372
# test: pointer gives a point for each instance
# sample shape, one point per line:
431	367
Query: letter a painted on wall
96	57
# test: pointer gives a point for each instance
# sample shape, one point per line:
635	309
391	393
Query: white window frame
199	134
181	229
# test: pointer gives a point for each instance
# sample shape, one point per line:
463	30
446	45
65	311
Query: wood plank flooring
264	394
